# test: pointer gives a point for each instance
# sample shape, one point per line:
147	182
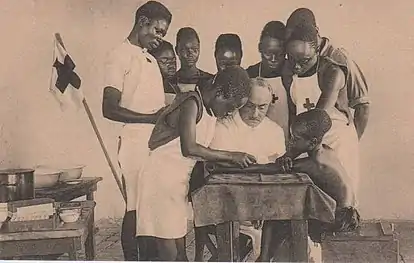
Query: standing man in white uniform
134	96
271	66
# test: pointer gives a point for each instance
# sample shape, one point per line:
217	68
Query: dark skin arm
333	81
270	168
113	111
190	147
329	178
361	116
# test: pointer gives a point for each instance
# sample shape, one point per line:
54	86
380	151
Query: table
66	238
292	197
67	192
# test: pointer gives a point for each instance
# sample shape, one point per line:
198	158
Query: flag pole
101	142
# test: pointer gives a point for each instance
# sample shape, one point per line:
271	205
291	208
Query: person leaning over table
228	52
181	137
134	96
357	86
325	77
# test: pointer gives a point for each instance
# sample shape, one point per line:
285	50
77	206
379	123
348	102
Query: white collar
143	50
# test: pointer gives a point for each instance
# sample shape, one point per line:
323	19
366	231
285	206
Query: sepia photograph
207	130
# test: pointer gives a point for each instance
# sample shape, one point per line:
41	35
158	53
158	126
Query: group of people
305	98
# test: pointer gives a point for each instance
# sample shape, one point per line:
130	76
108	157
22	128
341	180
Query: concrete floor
109	245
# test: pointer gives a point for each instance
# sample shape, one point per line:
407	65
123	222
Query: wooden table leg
72	255
299	241
90	245
72	252
228	242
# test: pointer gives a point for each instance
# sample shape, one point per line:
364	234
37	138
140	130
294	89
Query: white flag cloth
65	84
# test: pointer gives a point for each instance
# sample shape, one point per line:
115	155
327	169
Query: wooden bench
373	242
66	238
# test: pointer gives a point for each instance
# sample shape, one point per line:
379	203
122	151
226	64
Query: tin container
16	184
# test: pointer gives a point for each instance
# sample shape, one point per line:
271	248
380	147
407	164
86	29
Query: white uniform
278	111
341	137
162	205
266	142
136	74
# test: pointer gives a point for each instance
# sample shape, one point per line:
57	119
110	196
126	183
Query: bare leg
267	232
273	235
128	239
181	252
167	249
147	248
200	233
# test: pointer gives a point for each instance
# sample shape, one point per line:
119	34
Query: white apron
147	96
342	138
278	111
162	204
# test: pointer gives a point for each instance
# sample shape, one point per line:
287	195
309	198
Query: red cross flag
65	83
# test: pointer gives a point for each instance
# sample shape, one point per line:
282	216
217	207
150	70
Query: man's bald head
255	110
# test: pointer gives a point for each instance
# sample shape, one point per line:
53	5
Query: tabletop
278	197
65	192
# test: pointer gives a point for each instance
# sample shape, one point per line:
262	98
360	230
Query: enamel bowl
71	173
70	215
46	177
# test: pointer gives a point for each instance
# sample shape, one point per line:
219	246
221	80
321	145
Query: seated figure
251	131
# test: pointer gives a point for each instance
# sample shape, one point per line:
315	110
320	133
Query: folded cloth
166	127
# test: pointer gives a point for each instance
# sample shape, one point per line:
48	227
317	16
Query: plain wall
34	131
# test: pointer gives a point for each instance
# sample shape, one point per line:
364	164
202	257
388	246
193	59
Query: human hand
243	159
285	162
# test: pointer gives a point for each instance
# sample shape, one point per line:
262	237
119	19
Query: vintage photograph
220	130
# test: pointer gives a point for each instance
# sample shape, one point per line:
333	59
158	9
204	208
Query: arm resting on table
332	180
220	168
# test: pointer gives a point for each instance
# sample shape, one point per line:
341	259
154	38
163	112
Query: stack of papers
4	212
34	212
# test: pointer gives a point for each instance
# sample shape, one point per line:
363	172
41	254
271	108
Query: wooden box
373	242
31	225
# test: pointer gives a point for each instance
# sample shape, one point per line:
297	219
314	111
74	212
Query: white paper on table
35	210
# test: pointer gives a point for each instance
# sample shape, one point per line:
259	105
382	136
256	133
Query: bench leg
72	252
199	244
228	242
203	240
90	245
299	241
